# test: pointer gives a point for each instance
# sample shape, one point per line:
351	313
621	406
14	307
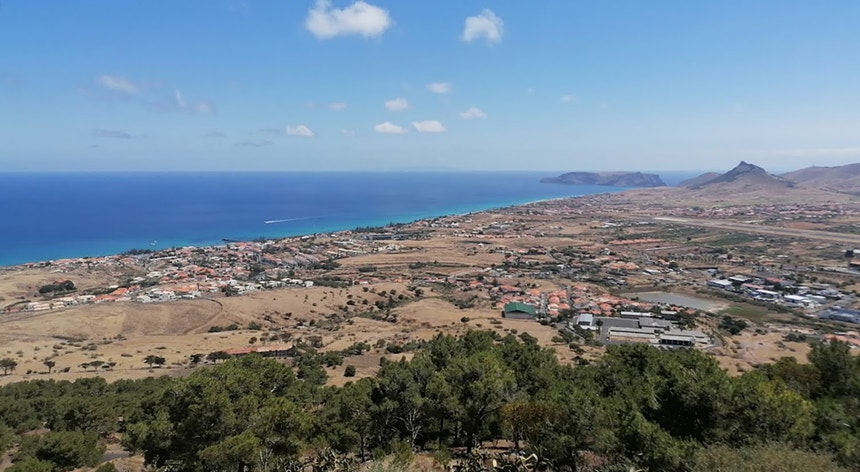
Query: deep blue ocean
47	216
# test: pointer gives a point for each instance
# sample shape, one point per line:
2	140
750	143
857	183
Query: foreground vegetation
637	406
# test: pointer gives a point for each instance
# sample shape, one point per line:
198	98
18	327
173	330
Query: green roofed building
519	311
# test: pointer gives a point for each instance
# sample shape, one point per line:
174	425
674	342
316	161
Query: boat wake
272	222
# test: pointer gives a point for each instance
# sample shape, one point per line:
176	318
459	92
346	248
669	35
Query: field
125	333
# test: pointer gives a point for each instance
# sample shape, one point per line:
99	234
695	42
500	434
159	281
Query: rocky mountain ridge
611	179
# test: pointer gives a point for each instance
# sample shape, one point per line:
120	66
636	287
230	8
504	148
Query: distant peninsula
611	179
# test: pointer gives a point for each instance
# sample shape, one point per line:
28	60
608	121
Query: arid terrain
450	279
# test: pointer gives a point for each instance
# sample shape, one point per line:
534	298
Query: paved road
853	239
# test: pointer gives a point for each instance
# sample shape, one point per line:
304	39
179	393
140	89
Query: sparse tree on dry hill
8	364
152	359
49	363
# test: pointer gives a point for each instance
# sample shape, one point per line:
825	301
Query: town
580	270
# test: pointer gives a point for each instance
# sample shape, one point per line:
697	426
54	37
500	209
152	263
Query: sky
402	85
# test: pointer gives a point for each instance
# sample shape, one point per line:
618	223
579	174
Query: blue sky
442	85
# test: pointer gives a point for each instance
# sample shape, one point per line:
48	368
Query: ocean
46	216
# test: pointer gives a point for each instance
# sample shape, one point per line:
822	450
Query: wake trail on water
284	220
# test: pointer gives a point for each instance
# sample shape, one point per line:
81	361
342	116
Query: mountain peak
746	168
742	177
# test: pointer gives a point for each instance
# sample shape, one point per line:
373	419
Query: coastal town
397	236
580	273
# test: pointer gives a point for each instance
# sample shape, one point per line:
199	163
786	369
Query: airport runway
852	239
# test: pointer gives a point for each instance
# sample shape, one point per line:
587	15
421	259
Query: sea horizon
55	215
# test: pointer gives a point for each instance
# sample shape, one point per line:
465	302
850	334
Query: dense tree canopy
637	406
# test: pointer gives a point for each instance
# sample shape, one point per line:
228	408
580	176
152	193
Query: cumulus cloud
337	106
117	83
473	113
361	18
567	99
397	104
111	133
388	128
485	26
300	130
428	126
439	87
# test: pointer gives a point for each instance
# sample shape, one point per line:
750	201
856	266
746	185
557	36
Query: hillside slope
844	179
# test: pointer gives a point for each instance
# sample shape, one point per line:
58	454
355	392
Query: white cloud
361	18
117	84
486	26
337	106
567	99
397	104
428	126
347	132
472	113
439	87
388	128
300	130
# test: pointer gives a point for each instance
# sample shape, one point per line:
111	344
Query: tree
346	418
349	371
66	450
838	371
195	359
31	464
235	416
218	356
8	364
481	384
49	363
152	359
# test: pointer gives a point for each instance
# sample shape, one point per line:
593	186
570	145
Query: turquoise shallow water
49	216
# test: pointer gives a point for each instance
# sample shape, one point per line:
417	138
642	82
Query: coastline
117	247
213	243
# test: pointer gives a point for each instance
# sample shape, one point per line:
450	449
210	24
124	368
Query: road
852	239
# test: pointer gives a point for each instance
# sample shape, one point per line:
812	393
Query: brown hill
843	179
747	176
702	179
744	184
744	181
